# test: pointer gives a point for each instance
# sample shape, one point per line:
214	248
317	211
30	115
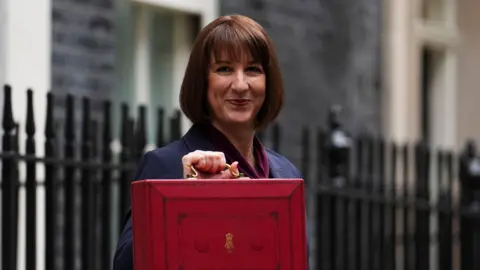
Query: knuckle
198	153
219	156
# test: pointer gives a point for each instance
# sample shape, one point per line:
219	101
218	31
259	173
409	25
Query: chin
242	121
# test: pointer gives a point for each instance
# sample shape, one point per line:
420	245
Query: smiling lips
238	102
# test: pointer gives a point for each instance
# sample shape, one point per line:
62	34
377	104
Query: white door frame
25	62
207	10
406	34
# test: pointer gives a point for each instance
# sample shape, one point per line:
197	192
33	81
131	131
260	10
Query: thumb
238	174
235	173
232	172
234	168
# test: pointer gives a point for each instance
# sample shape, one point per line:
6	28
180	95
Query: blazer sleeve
149	167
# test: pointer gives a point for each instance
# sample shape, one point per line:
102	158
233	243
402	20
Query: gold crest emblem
229	242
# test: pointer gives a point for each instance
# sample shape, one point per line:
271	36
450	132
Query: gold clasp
194	173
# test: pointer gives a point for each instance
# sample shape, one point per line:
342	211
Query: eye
224	69
255	69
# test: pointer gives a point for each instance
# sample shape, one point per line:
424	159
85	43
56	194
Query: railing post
140	133
176	126
125	158
31	187
422	216
321	227
87	188
106	188
50	186
391	225
9	187
337	147
445	243
69	182
469	171
406	197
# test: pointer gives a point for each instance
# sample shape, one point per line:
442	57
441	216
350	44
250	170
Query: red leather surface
219	224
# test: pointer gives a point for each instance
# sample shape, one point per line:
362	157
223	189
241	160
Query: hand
209	165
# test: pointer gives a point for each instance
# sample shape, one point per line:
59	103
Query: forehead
236	43
243	56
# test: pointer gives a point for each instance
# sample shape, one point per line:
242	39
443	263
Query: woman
232	87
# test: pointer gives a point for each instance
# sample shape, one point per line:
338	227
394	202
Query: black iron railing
379	205
383	205
79	182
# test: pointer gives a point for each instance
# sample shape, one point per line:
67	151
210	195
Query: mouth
238	102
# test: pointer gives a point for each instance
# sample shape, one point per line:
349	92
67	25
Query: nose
240	82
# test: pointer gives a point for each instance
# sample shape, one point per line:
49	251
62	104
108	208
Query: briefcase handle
194	173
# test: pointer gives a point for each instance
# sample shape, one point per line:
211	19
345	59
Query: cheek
211	89
260	89
214	93
211	98
216	85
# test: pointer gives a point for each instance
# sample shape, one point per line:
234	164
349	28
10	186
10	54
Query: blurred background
378	99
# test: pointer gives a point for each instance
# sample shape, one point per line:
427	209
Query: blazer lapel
195	140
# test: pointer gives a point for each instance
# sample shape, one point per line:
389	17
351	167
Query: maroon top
221	143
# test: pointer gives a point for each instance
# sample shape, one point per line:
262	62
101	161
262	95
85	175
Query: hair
234	35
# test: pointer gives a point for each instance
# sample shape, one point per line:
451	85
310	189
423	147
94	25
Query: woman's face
236	90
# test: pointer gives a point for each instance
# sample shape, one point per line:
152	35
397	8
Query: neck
241	138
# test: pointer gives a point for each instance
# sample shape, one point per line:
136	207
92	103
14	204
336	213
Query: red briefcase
219	224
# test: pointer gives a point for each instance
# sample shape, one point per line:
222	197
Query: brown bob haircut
234	35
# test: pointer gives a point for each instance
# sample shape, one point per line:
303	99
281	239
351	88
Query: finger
219	162
196	159
206	164
214	158
223	161
199	158
229	173
187	162
234	169
201	161
208	157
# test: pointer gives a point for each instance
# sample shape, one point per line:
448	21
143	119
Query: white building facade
153	41
430	59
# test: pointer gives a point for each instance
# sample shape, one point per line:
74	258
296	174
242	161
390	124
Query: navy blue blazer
166	163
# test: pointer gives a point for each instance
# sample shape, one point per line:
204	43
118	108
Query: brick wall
83	56
329	53
83	47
